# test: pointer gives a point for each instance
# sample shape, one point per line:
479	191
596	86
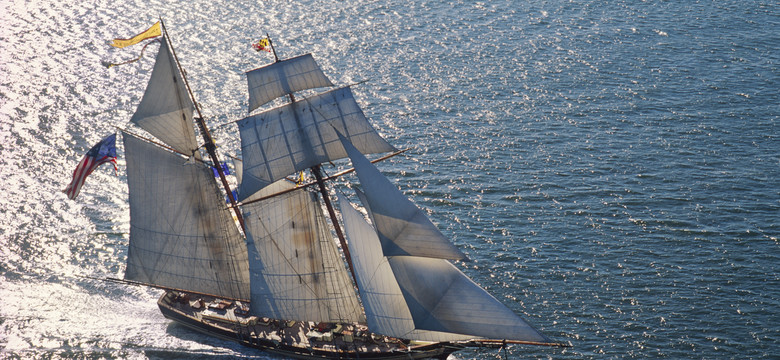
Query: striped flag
102	152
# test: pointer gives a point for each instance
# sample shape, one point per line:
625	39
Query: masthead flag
102	152
154	31
262	45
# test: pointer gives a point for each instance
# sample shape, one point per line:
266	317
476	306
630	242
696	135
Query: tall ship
264	268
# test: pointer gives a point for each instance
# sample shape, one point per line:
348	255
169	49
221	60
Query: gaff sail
181	234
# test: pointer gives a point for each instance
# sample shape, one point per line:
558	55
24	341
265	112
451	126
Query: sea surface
612	168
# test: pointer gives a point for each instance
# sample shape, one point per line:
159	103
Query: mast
342	240
316	171
211	148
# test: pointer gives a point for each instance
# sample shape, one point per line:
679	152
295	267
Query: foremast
181	234
211	147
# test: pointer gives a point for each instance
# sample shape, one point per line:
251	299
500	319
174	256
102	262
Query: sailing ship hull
263	335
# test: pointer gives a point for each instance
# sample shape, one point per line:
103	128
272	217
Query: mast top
273	49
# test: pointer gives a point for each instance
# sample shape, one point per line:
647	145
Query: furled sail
166	109
297	136
181	234
385	306
403	228
296	270
282	78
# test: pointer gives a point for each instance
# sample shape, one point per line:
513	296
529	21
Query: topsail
166	109
282	78
302	134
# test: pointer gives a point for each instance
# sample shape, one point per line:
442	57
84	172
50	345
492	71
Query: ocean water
612	168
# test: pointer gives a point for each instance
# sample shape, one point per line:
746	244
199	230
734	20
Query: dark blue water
612	168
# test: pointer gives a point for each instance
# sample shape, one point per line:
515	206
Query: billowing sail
441	298
166	109
300	135
181	234
282	78
296	270
424	298
403	228
385	306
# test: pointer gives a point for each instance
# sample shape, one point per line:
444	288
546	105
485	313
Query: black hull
244	335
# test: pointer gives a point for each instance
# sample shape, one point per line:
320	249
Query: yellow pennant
149	33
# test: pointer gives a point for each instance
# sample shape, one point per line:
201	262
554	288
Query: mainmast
317	172
211	147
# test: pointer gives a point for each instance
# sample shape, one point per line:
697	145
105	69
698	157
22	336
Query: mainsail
296	270
166	108
299	135
181	234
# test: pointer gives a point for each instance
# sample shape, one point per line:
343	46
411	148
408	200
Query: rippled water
612	169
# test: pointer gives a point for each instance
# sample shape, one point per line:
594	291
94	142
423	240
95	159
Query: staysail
425	298
166	109
299	135
282	78
437	296
441	298
181	234
296	271
384	303
403	228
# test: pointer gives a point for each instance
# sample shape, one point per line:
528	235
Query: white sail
166	109
403	228
385	306
282	78
296	270
300	135
441	298
181	234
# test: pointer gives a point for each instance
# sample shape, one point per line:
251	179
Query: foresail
385	306
296	270
181	234
403	228
282	78
297	136
442	298
166	109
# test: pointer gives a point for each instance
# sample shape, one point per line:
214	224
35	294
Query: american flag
102	152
